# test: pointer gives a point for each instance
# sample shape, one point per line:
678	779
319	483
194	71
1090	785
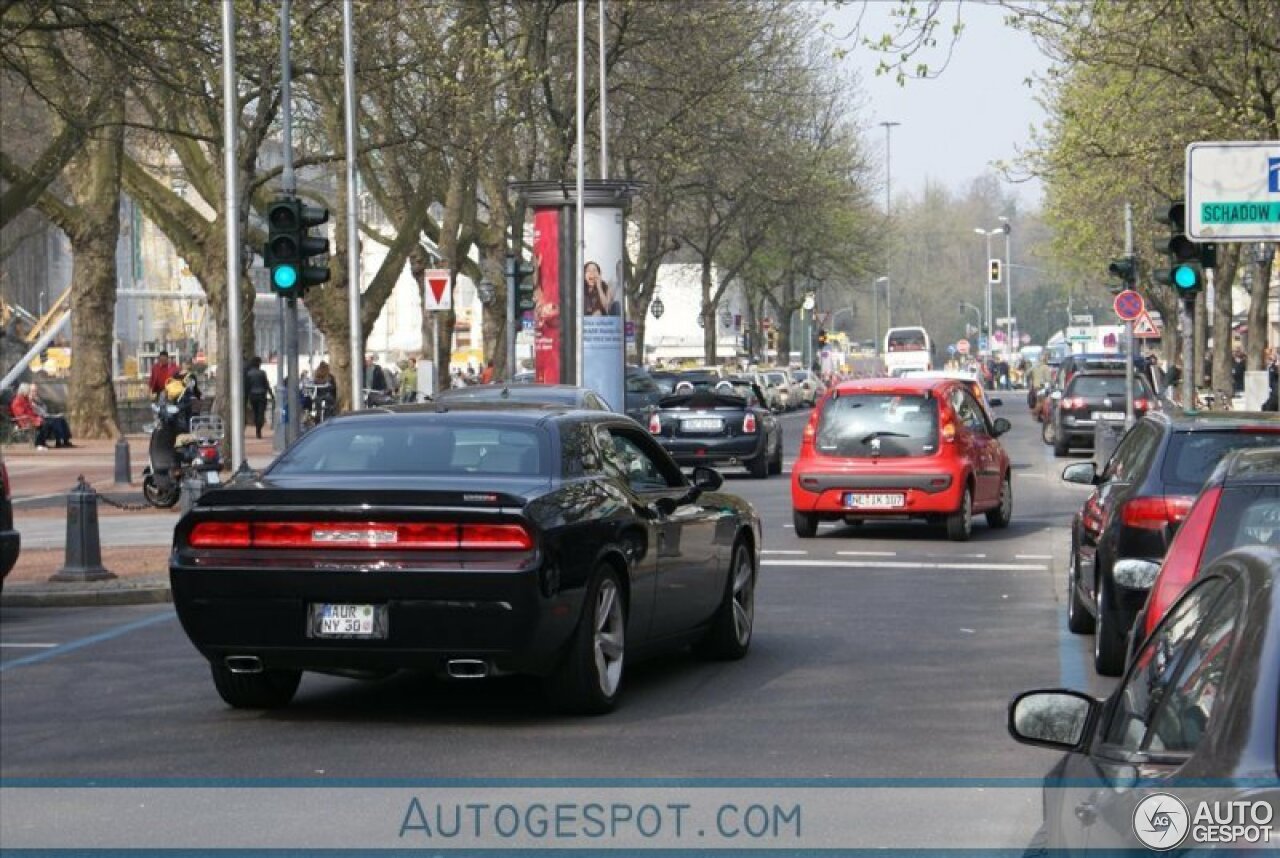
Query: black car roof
505	412
1178	420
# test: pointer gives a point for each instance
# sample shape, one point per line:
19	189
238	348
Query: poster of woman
599	298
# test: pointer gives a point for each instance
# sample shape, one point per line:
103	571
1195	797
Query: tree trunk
1223	277
91	403
783	325
1259	295
493	263
708	315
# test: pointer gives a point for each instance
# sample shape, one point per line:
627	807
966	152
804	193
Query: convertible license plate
347	621
1108	415
702	424
867	500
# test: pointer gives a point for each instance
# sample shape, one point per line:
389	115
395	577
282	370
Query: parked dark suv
1090	397
9	540
1120	535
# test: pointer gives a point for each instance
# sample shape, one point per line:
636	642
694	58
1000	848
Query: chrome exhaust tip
466	668
243	663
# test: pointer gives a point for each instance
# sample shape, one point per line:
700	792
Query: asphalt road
879	652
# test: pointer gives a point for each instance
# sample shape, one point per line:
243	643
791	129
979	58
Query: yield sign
436	296
1145	327
1129	305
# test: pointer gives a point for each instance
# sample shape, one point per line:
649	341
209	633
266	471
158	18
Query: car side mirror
707	479
1001	426
1055	718
1084	473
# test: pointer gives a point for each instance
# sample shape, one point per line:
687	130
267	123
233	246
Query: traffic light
822	336
1185	274
993	273
290	247
524	285
1124	269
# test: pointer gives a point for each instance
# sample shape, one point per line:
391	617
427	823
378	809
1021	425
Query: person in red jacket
161	371
27	409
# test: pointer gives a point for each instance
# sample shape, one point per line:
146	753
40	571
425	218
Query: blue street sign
951	349
982	344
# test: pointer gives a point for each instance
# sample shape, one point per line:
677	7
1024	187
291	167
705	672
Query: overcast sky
955	126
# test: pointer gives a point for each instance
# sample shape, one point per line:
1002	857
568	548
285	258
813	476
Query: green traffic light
1184	276
284	276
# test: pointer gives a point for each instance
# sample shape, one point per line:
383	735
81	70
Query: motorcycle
182	447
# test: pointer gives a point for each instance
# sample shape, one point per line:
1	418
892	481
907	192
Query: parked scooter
182	447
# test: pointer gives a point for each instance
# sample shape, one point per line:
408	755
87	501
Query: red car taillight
810	428
1141	404
655	424
1154	513
411	536
1183	557
749	424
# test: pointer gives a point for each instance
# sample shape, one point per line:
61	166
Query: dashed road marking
767	551
1033	557
7	645
867	553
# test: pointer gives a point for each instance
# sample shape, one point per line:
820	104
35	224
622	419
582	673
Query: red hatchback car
889	448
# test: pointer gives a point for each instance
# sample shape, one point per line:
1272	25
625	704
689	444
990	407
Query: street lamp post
888	215
875	314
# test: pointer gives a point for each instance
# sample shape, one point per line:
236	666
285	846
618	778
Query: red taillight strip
359	535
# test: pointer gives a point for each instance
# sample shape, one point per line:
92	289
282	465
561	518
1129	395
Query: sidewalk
135	544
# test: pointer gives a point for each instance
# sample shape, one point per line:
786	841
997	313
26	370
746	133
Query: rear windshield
1111	386
456	449
907	341
1246	515
1192	456
851	425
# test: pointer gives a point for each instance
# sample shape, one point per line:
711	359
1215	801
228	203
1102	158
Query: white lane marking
767	551
789	526
1033	557
903	564
1031	474
974	556
27	645
867	553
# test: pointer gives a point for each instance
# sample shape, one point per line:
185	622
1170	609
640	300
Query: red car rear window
1192	456
1246	516
884	425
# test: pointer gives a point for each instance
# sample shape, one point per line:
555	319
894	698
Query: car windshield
1246	515
776	377
1108	386
799	375
460	450
1192	456
878	425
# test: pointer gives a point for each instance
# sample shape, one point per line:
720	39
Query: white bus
907	349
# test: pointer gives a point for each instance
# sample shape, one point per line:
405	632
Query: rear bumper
702	451
431	617
10	546
925	494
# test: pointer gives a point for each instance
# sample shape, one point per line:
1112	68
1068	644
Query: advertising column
603	340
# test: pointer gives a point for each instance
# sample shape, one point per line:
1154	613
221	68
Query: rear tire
270	689
759	466
589	679
729	637
1048	433
158	497
775	465
1061	446
960	522
1001	515
806	524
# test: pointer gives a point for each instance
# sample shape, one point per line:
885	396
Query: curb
140	592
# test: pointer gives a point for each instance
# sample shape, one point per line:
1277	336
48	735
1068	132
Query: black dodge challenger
472	541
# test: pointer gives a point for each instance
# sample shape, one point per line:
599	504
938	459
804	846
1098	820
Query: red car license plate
875	500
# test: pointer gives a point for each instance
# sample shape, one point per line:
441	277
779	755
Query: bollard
83	561
123	467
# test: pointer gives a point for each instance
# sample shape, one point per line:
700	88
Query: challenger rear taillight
655	424
358	535
1183	557
220	534
749	424
1154	513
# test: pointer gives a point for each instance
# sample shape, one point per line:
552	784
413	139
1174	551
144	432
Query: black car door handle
1086	812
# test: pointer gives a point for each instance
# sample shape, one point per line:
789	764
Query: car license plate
211	478
346	621
702	424
1108	415
865	500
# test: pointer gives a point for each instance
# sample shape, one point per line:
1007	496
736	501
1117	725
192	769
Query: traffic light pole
1188	353
288	188
292	425
235	384
512	288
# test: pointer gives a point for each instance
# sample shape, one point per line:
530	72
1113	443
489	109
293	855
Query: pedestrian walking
161	371
257	390
409	380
